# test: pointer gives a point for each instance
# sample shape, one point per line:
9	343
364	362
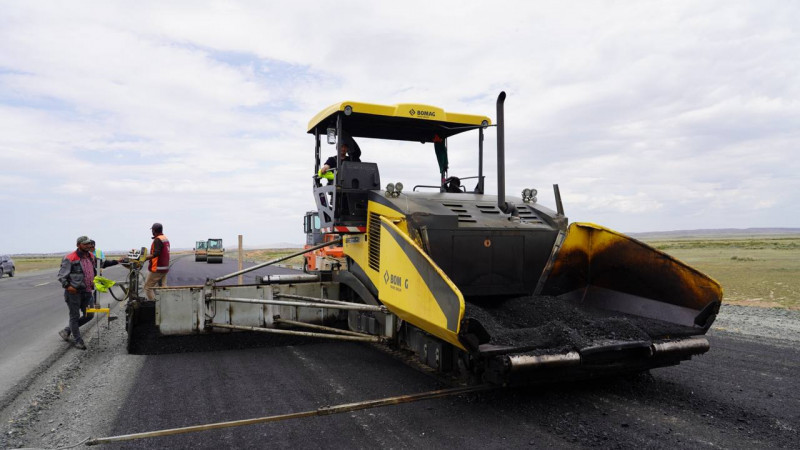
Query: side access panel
415	289
177	309
234	313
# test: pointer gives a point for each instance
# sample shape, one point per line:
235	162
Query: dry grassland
26	264
763	271
30	263
270	254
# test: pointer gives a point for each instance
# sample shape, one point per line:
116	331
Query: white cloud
649	115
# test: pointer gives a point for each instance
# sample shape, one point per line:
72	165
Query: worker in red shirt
76	276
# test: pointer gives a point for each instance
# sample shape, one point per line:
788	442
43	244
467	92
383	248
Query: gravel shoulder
78	394
781	325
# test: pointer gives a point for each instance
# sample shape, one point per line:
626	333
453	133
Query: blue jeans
77	304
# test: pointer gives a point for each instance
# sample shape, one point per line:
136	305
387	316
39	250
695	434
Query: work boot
80	345
64	335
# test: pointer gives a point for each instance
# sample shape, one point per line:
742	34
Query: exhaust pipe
501	158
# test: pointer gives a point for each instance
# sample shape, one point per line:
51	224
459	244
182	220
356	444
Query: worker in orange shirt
158	261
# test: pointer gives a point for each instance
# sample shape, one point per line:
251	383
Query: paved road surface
742	395
32	310
745	393
188	272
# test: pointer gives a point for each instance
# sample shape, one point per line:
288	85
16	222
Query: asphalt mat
549	323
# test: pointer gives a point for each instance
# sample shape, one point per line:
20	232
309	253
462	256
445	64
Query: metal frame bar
382	308
317	149
277	260
346	306
339	142
373	339
319	327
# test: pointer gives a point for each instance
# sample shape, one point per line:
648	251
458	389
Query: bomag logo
395	282
422	113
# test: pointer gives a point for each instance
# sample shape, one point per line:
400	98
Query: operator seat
354	180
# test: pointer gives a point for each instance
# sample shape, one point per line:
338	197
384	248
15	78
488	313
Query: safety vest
160	263
99	257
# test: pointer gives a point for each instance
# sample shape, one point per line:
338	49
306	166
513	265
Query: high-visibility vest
160	263
99	257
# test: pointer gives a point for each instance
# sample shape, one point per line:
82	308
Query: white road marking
42	284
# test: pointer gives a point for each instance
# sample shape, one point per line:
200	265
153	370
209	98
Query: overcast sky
650	116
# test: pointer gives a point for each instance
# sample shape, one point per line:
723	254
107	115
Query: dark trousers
77	304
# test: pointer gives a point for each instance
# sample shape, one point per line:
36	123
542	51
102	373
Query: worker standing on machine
159	261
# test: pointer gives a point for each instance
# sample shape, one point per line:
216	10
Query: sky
650	116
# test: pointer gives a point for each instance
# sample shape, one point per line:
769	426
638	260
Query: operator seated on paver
453	185
345	154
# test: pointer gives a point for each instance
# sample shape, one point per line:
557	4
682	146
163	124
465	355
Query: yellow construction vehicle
200	252
484	287
214	251
325	259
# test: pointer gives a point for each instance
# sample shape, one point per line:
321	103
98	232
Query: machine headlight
390	189
529	195
398	187
348	110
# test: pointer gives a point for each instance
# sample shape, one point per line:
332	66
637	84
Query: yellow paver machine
482	287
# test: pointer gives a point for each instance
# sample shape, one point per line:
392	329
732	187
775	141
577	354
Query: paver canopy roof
404	121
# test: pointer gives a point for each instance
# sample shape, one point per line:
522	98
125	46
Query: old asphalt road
32	310
745	393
